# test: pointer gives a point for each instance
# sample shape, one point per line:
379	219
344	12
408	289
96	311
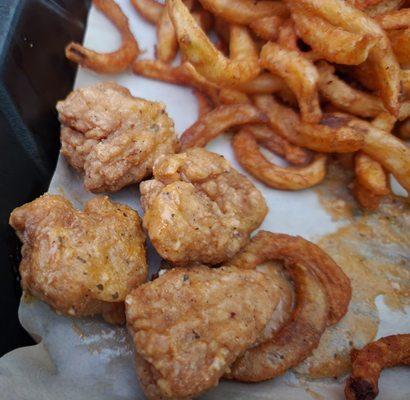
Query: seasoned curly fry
246	149
277	144
244	11
150	10
400	42
108	63
298	73
399	19
335	133
301	334
232	96
381	58
389	151
371	184
204	19
371	175
405	82
404	112
404	130
265	83
367	364
167	43
383	7
346	47
211	125
287	36
266	28
204	104
345	97
203	55
185	74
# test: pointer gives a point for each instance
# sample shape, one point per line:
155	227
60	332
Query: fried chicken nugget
112	136
198	208
190	324
80	262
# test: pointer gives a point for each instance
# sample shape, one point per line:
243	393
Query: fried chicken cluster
198	208
113	137
80	262
250	319
190	324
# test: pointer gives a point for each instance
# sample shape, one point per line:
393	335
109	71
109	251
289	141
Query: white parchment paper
88	359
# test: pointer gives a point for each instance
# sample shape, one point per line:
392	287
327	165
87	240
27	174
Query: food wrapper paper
86	359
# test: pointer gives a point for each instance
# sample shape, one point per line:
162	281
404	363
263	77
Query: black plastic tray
34	74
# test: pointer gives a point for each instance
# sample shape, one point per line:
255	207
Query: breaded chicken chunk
190	324
112	136
198	208
80	262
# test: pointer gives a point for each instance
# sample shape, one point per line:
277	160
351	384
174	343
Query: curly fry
371	183
267	28
232	96
400	42
399	19
109	63
244	11
368	363
345	97
167	43
204	104
277	144
298	73
389	151
185	74
405	82
150	10
247	153
203	55
371	175
347	48
404	112
336	133
381	58
383	6
404	130
294	341
211	125
264	83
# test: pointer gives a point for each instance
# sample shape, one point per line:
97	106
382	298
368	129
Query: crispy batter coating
112	136
198	208
190	324
80	262
367	364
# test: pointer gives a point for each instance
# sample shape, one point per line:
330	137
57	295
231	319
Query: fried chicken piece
80	262
198	208
190	324
112	136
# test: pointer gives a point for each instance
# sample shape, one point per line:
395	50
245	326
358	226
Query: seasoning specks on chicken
80	262
112	136
198	208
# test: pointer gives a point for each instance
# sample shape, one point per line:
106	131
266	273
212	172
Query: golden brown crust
322	297
80	262
368	363
246	150
190	324
112	136
116	61
199	209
